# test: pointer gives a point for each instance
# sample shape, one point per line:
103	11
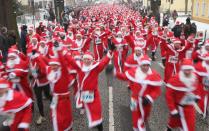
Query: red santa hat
34	38
4	84
176	41
88	55
54	61
43	40
138	47
187	64
205	57
145	60
13	52
30	28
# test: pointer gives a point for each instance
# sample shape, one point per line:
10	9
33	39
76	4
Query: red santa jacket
147	86
178	93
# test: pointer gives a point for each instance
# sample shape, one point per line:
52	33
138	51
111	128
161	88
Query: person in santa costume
17	72
57	75
82	44
16	106
145	86
97	37
88	72
120	53
131	60
202	69
198	54
182	93
153	40
174	54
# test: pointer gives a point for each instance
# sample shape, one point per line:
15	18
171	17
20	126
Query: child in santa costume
145	89
57	74
202	69
16	106
182	93
88	73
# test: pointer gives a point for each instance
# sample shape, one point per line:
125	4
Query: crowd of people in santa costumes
56	60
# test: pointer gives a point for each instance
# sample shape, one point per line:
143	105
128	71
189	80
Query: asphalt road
121	110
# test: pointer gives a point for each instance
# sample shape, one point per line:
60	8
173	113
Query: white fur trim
54	63
144	62
2	86
178	88
27	103
109	55
173	112
130	65
12	54
187	67
150	98
24	125
183	120
87	56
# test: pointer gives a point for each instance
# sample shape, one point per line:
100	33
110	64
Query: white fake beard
119	39
79	42
54	76
189	82
12	63
140	75
98	32
3	100
42	50
203	50
86	68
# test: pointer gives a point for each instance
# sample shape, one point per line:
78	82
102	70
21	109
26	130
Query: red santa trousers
186	121
98	51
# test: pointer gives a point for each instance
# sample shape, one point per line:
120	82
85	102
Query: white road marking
161	65
111	117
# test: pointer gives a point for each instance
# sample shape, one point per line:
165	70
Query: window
197	9
203	7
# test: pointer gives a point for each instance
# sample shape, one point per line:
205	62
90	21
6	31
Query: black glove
177	115
56	44
111	46
145	101
33	52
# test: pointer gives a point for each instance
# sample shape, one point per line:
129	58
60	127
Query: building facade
178	5
200	10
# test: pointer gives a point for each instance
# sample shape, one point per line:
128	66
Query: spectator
23	38
51	15
3	43
174	15
12	38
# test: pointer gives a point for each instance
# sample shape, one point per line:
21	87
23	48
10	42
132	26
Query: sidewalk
200	26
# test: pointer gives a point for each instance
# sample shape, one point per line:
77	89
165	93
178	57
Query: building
200	10
41	3
24	2
178	5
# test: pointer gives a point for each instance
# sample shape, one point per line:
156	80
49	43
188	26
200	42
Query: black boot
100	127
153	56
163	61
168	129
